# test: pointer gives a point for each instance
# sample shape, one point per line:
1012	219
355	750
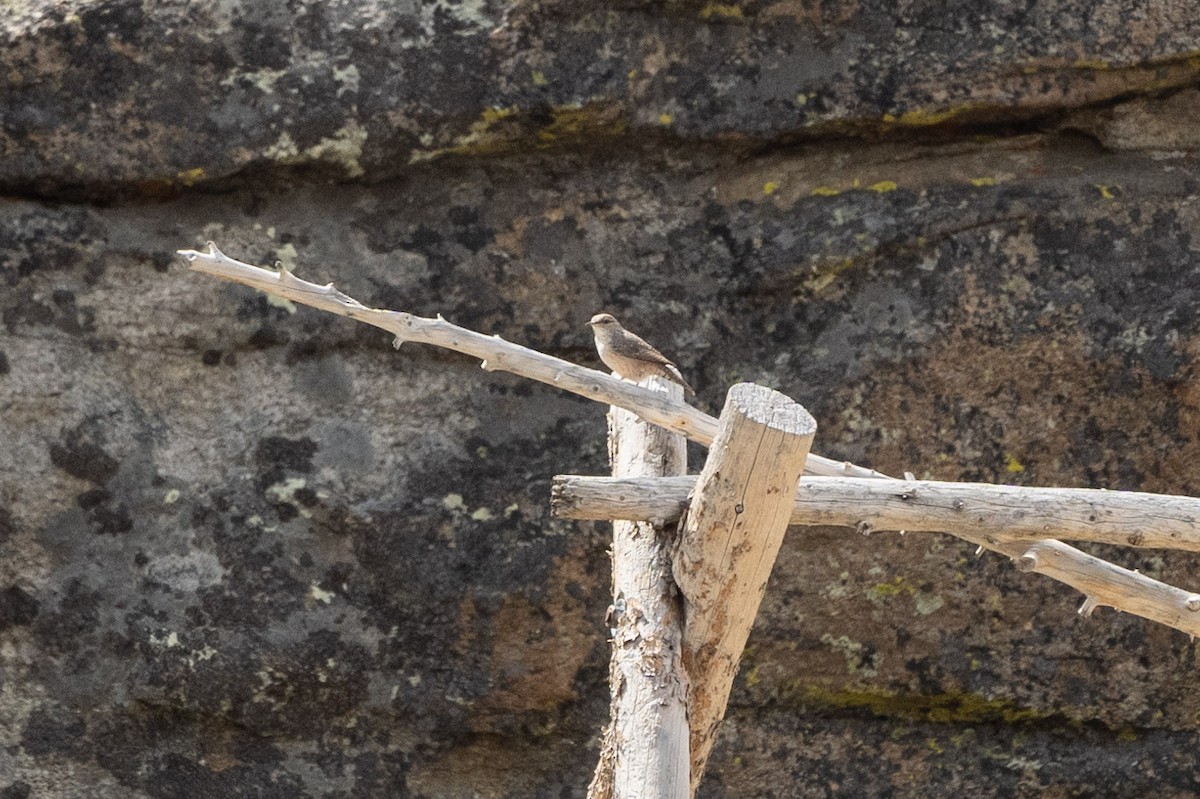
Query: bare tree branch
495	353
993	514
1000	518
1067	565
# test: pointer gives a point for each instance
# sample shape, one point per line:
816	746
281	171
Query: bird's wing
644	352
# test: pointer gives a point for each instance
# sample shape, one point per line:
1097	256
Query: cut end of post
771	408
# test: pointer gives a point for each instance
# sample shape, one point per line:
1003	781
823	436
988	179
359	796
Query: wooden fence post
732	533
644	752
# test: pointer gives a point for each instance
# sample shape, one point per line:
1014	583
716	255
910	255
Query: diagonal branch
1068	565
495	353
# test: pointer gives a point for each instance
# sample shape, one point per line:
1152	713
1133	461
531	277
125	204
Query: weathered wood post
734	527
644	752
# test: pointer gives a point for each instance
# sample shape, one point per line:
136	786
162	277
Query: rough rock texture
249	550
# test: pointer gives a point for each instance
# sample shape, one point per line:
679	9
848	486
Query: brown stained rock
246	549
1160	123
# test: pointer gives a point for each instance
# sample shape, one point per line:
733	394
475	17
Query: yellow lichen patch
190	177
570	122
1012	465
984	181
890	590
485	136
491	116
924	602
942	708
825	191
751	676
665	119
920	117
721	10
825	272
883	186
539	78
770	187
1106	191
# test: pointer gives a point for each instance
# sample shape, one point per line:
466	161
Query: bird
629	355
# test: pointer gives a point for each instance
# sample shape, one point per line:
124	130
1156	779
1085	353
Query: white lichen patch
925	603
262	79
840	589
857	663
482	515
344	149
168	641
285	492
319	594
281	302
453	502
171	497
348	77
188	572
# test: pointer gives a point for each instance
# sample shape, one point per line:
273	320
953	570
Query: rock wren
628	355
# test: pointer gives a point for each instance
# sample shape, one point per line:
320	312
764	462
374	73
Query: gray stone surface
249	550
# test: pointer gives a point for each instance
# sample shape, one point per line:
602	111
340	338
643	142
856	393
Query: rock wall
248	550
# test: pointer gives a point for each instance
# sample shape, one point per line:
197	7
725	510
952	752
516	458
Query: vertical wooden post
644	753
735	524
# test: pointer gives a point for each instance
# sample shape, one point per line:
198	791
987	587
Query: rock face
248	550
